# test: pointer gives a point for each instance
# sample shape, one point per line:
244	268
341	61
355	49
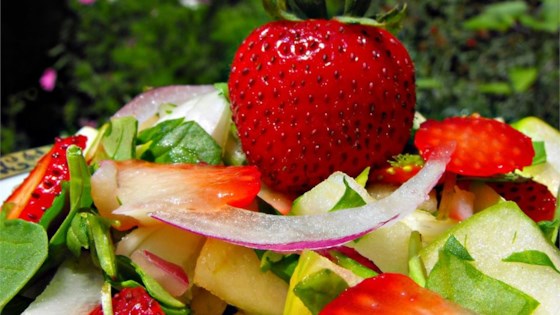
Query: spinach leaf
131	275
350	199
23	249
119	139
56	209
282	265
532	257
179	141
550	228
319	288
456	279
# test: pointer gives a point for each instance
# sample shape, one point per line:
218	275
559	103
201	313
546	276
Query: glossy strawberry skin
36	194
484	146
390	294
132	301
533	198
316	96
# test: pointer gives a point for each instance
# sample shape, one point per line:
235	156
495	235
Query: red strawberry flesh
132	301
533	198
36	194
316	96
484	146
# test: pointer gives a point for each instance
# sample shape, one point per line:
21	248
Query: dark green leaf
120	138
318	289
78	234
352	265
80	179
459	281
132	270
23	249
454	247
532	257
282	265
58	206
175	141
350	199
550	229
100	235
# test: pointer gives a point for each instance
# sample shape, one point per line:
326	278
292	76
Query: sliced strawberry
37	192
400	170
533	198
131	301
387	294
121	189
484	147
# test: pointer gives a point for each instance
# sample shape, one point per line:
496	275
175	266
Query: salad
306	184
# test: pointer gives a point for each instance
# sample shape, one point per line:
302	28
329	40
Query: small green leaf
458	280
352	265
319	288
453	246
78	235
175	141
282	265
23	249
428	83
532	257
363	177
522	78
135	274
119	139
58	206
80	179
550	229
101	237
540	152
350	199
497	88
416	268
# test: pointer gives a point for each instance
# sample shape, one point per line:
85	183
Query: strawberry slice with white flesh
119	189
36	194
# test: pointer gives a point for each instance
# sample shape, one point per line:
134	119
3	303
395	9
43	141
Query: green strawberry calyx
353	12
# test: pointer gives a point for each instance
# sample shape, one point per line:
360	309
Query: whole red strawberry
533	198
315	96
132	301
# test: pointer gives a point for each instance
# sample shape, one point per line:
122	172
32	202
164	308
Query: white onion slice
147	104
293	233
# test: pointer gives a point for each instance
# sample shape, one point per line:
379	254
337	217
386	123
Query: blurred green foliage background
497	58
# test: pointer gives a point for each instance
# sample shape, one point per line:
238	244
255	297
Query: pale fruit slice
75	289
546	173
174	245
210	110
325	195
204	302
233	274
493	235
128	190
309	263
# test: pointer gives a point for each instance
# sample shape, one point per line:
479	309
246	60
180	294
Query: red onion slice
146	105
293	233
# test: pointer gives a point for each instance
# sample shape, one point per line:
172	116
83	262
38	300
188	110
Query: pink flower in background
86	2
48	79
